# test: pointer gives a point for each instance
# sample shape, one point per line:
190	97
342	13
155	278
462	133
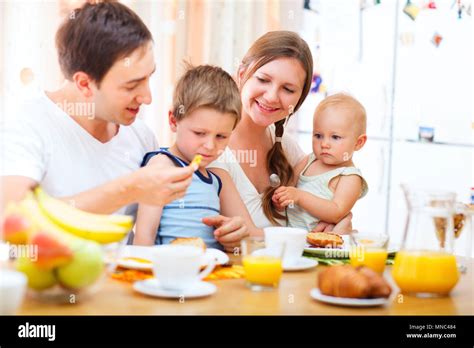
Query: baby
206	109
328	182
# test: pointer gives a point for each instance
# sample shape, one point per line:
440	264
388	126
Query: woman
274	79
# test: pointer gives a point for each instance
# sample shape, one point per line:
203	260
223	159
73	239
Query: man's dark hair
92	38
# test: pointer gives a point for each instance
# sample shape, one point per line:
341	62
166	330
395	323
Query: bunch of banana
97	227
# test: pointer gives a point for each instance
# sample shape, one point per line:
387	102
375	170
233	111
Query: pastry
324	239
193	241
352	282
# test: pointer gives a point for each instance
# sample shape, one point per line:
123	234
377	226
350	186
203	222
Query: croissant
351	282
379	286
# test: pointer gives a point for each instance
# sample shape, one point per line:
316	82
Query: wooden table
233	298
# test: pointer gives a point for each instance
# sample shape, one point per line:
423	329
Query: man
83	142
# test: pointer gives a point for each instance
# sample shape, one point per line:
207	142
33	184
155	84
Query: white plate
142	252
330	253
151	287
303	263
146	253
351	302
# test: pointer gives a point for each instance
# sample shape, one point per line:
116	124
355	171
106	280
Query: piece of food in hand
193	241
196	160
352	282
324	240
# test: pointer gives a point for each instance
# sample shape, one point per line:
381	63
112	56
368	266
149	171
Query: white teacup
294	240
12	291
177	266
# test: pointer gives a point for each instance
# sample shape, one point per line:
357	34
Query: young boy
329	183
206	109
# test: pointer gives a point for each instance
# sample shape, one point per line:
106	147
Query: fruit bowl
67	252
75	280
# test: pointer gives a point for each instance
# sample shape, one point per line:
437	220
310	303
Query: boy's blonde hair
206	86
349	102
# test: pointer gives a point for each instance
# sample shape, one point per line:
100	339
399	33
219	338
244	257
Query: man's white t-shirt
248	192
43	143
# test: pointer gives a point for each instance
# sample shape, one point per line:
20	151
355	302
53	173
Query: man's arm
149	185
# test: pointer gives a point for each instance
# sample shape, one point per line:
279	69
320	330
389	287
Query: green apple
85	268
38	278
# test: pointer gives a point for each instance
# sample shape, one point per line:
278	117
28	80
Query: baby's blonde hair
349	102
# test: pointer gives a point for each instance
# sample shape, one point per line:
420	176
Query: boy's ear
83	83
361	140
172	121
240	75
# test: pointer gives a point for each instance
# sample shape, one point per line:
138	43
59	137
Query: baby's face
335	135
204	132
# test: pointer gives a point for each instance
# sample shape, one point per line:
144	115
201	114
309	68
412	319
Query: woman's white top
229	161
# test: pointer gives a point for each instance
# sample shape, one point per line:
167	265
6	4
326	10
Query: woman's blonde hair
271	46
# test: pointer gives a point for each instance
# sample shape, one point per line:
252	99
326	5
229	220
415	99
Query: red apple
51	251
16	228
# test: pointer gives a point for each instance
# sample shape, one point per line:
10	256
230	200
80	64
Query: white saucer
302	264
151	287
351	302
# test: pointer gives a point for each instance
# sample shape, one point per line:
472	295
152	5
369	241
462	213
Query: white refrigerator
391	63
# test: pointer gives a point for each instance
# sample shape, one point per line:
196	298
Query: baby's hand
286	196
276	204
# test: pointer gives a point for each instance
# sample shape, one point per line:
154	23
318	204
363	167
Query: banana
60	256
97	227
51	203
30	210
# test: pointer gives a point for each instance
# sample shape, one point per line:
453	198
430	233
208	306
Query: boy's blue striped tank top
183	217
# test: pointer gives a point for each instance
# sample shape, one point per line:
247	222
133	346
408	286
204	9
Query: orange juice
373	258
263	270
425	271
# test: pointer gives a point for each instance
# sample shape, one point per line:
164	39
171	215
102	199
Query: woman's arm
346	194
232	204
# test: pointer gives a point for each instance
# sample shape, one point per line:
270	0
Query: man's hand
229	231
156	185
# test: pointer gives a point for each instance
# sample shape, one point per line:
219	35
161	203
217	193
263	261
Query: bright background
372	49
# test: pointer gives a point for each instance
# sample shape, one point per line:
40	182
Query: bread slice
324	239
193	241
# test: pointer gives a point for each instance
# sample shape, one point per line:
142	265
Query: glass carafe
425	266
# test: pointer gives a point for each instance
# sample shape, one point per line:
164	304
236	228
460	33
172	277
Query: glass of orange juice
369	250
262	265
